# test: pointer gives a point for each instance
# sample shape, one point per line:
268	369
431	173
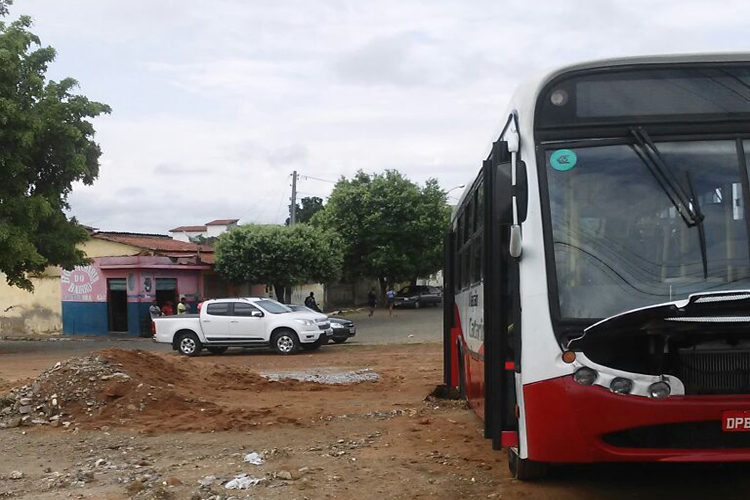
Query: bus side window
469	223
457	264
479	213
477	256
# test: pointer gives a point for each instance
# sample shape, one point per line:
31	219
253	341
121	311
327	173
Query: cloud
216	104
170	169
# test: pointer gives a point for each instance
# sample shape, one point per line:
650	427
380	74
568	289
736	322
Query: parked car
418	296
244	322
341	329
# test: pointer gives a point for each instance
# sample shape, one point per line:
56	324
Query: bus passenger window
479	214
477	249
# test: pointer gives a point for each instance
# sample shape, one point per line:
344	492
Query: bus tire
524	469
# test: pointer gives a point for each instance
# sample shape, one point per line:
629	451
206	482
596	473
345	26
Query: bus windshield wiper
686	204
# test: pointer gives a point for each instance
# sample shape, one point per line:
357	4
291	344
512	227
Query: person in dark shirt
372	300
311	302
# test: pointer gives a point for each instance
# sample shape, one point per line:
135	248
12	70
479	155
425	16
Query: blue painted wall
90	318
85	318
137	314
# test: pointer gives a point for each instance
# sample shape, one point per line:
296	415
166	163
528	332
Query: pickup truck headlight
306	322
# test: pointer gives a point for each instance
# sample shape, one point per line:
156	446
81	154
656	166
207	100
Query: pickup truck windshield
272	306
620	243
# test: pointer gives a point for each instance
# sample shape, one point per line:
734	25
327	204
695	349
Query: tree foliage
392	229
279	255
307	208
46	145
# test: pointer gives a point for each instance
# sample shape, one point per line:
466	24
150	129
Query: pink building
129	270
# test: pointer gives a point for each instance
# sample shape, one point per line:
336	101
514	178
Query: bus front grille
685	435
720	371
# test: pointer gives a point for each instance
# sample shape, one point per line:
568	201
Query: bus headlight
585	376
620	385
659	390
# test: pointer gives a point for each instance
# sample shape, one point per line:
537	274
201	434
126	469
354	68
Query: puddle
325	376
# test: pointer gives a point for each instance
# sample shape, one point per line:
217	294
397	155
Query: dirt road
173	427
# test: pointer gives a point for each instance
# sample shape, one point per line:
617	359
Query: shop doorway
117	304
166	291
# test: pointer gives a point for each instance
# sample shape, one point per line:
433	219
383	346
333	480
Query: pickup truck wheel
285	342
217	350
189	345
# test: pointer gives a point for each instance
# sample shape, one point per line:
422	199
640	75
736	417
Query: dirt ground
175	427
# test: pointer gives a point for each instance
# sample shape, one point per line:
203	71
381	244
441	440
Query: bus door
505	209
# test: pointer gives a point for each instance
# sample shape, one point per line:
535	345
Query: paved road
406	326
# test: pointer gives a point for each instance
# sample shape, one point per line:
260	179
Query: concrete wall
37	312
186	235
300	293
103	248
341	295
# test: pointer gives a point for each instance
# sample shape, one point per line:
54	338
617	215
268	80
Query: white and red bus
597	303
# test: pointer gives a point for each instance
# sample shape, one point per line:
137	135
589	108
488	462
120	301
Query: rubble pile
78	387
42	402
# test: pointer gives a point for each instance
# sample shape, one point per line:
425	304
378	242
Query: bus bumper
567	422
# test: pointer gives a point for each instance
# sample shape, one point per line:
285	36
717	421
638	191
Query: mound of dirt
114	387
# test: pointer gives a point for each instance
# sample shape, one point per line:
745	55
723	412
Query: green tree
46	145
391	228
281	256
310	205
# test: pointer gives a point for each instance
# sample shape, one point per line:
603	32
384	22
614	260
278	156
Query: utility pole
293	206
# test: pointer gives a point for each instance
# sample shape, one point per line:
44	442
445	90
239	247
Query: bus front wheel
525	469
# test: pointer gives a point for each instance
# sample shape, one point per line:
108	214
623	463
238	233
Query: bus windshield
619	240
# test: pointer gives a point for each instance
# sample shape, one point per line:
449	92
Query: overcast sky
216	102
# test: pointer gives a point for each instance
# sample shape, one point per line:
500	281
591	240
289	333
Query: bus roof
724	57
527	93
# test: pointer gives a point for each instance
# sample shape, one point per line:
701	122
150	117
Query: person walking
311	302
372	300
390	296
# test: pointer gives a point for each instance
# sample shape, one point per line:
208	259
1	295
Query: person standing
390	296
183	307
311	302
372	299
167	309
200	304
154	311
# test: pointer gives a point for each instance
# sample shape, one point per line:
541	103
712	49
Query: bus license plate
735	421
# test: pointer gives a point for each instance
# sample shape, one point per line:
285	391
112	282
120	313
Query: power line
310	177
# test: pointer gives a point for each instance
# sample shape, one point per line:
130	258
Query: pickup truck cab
242	322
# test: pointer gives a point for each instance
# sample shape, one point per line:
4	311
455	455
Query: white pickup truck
244	322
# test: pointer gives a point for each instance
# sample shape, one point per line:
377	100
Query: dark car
341	328
418	295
